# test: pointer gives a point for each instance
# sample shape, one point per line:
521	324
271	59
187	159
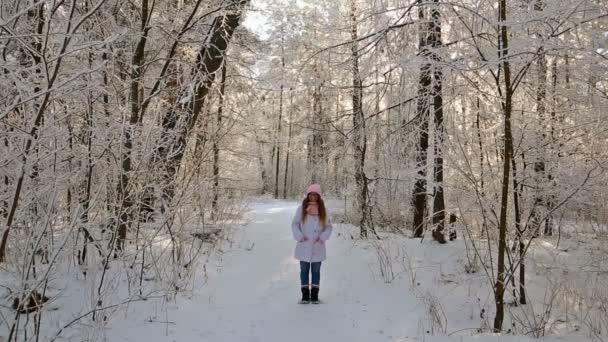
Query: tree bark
438	199
503	54
519	238
85	201
550	198
419	194
338	176
263	174
123	191
318	142
216	147
288	151
278	133
480	144
359	134
539	160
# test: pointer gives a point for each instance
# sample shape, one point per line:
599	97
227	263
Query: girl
311	228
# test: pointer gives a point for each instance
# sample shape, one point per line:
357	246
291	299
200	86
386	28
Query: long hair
322	211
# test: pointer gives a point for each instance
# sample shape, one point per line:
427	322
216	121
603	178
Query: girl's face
313	197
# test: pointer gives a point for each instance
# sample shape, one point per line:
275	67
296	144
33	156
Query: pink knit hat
316	188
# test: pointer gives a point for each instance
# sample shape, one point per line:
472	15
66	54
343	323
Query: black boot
314	295
305	295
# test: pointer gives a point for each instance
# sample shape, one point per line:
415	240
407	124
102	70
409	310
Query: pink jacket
310	250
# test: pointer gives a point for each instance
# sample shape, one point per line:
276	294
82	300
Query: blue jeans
305	269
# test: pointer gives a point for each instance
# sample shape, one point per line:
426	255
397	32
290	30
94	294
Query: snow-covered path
254	297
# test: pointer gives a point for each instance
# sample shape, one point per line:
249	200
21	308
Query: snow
252	293
397	289
253	296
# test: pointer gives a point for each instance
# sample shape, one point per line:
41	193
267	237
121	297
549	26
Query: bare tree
359	133
419	193
507	107
439	136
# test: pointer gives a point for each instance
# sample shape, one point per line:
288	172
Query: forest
136	136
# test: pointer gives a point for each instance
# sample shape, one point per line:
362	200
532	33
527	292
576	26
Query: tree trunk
85	201
519	238
106	105
338	176
216	147
263	175
123	191
503	54
278	133
273	151
317	154
7	180
419	200
539	160
480	143
438	199
550	198
175	130
377	124
285	192
359	134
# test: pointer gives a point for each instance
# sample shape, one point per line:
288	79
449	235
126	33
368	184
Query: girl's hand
318	240
305	238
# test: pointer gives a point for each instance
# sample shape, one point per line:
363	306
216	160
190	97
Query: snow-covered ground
251	295
252	291
396	289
